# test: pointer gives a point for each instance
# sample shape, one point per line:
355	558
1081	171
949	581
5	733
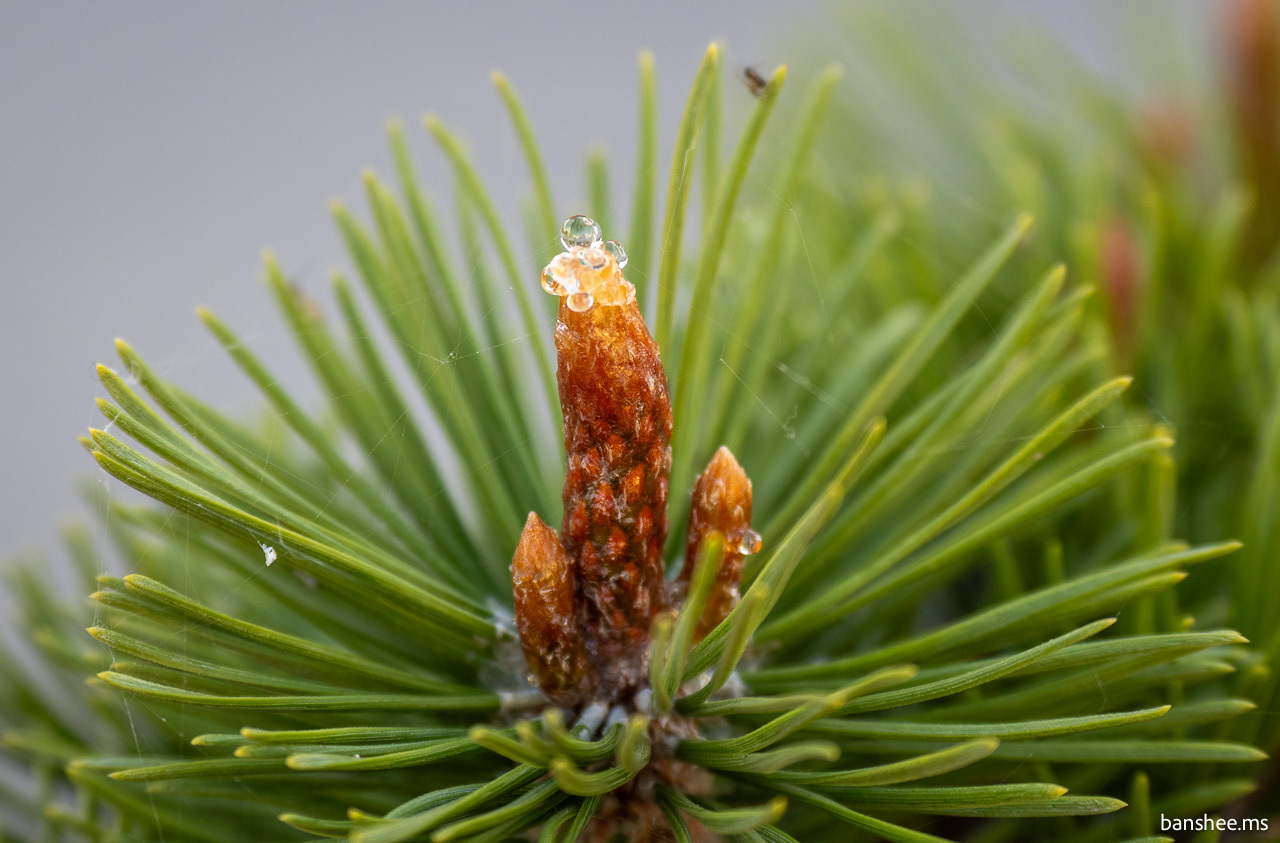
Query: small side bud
721	503
542	580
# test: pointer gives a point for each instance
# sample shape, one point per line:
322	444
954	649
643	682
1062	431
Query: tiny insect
753	80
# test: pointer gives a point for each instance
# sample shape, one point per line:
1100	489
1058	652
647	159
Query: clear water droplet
614	248
580	302
579	231
749	542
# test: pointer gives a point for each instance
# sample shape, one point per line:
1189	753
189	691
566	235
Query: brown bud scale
617	433
544	588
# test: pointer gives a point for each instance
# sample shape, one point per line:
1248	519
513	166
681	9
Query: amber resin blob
586	598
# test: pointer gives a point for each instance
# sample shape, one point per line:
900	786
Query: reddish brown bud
543	584
721	502
586	600
617	434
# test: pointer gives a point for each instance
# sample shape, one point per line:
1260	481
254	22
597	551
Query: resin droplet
614	248
560	278
580	231
593	258
721	503
588	267
580	302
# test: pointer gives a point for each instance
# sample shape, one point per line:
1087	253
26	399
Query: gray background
148	151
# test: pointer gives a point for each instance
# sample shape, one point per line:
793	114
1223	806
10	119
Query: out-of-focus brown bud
721	502
1168	133
1120	266
1253	69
